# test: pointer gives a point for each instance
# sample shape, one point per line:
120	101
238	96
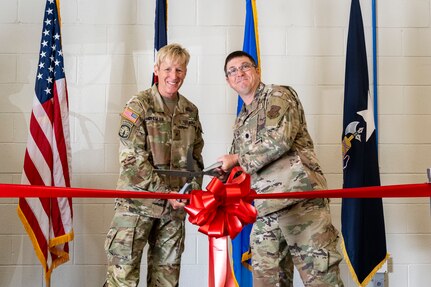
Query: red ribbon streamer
223	210
220	271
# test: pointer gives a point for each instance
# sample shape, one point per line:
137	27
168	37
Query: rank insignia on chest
176	135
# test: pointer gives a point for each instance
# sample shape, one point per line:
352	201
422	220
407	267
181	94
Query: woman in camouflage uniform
272	144
159	127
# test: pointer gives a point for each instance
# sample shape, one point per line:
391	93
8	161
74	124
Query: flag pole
374	32
429	181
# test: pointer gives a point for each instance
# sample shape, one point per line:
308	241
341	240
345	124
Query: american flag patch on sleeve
130	115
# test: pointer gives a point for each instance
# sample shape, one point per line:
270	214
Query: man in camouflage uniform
159	127
272	144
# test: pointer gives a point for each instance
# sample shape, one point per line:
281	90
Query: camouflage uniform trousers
302	234
125	242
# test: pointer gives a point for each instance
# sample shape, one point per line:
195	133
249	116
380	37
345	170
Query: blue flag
241	255
362	220
160	28
251	38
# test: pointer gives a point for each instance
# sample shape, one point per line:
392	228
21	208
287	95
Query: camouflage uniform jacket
275	148
151	138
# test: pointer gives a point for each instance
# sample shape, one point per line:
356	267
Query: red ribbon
224	209
401	190
220	271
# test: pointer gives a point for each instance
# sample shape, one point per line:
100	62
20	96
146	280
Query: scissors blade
178	173
190	160
212	169
187	187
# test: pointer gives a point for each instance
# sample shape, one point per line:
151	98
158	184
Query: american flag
48	221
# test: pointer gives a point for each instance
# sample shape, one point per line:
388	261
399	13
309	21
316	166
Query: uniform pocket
321	261
324	261
119	241
328	256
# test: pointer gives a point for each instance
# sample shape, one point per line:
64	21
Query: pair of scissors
211	170
190	173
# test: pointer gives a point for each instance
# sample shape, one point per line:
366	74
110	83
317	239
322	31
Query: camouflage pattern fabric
275	148
151	137
126	240
305	232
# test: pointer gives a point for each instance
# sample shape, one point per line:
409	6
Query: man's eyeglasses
232	72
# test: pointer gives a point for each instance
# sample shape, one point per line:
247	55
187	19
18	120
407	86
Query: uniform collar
158	103
256	100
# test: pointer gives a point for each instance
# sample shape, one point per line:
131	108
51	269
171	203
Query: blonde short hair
174	52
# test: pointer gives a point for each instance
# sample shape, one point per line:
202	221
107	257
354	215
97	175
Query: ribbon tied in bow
225	208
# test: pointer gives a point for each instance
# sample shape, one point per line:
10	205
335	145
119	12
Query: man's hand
229	161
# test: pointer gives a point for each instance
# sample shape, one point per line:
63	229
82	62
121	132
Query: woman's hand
177	203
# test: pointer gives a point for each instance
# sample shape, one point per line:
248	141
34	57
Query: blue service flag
241	255
251	37
362	220
160	28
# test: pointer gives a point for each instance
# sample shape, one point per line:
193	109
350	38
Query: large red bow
224	209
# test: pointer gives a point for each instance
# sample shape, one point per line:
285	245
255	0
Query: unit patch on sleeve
125	129
274	112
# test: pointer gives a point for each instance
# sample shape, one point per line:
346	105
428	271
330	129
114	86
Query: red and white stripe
47	162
